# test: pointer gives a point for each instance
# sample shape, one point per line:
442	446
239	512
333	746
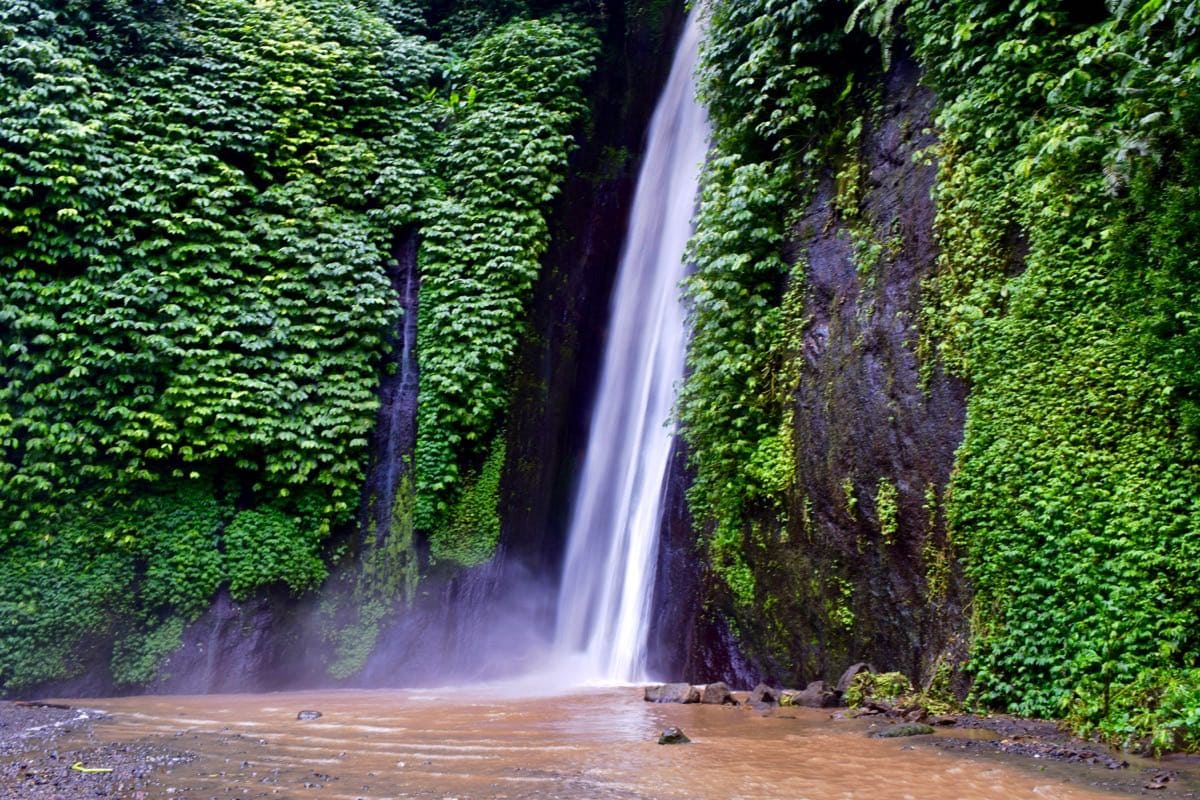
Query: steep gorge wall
860	569
465	114
953	433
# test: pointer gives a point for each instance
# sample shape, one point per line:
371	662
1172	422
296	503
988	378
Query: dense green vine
502	159
1066	294
197	203
769	82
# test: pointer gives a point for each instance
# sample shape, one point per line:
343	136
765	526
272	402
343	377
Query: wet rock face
673	735
816	695
235	647
672	693
904	729
862	570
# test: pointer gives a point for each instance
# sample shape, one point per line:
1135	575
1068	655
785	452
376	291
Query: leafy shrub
884	687
1065	223
265	546
501	161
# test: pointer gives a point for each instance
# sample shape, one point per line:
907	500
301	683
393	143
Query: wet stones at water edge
816	695
673	735
903	729
306	716
713	694
764	695
717	694
672	693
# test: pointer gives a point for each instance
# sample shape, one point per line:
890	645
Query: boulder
717	694
816	695
843	684
764	694
904	729
672	693
305	716
673	735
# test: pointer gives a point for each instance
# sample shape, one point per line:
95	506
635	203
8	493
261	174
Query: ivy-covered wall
1060	293
942	407
200	203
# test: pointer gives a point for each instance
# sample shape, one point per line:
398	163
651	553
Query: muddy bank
51	751
489	742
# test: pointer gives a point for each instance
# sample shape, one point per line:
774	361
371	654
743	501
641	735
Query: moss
849	498
138	658
473	530
887	510
384	583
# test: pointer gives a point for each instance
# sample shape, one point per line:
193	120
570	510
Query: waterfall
612	544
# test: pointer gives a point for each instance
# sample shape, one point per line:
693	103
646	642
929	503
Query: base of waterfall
816	695
590	743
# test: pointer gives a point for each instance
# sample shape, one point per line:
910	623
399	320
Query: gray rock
904	729
816	695
764	694
305	716
673	735
843	684
717	694
672	693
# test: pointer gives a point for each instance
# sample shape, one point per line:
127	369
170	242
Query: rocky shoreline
55	751
905	714
33	765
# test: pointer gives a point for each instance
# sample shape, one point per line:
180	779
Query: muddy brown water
590	743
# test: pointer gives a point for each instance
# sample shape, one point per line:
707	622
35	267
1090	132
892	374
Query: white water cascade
612	545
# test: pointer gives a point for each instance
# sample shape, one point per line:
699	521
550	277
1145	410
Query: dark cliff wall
386	615
860	570
561	352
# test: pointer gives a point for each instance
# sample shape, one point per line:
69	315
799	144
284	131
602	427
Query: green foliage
194	246
197	203
884	687
762	77
137	659
111	569
1156	712
1065	294
894	689
177	539
54	595
887	510
502	159
473	530
266	545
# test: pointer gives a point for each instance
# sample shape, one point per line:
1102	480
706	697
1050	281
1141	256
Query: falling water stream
608	577
489	741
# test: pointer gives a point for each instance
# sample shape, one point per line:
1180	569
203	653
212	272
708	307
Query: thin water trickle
608	577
